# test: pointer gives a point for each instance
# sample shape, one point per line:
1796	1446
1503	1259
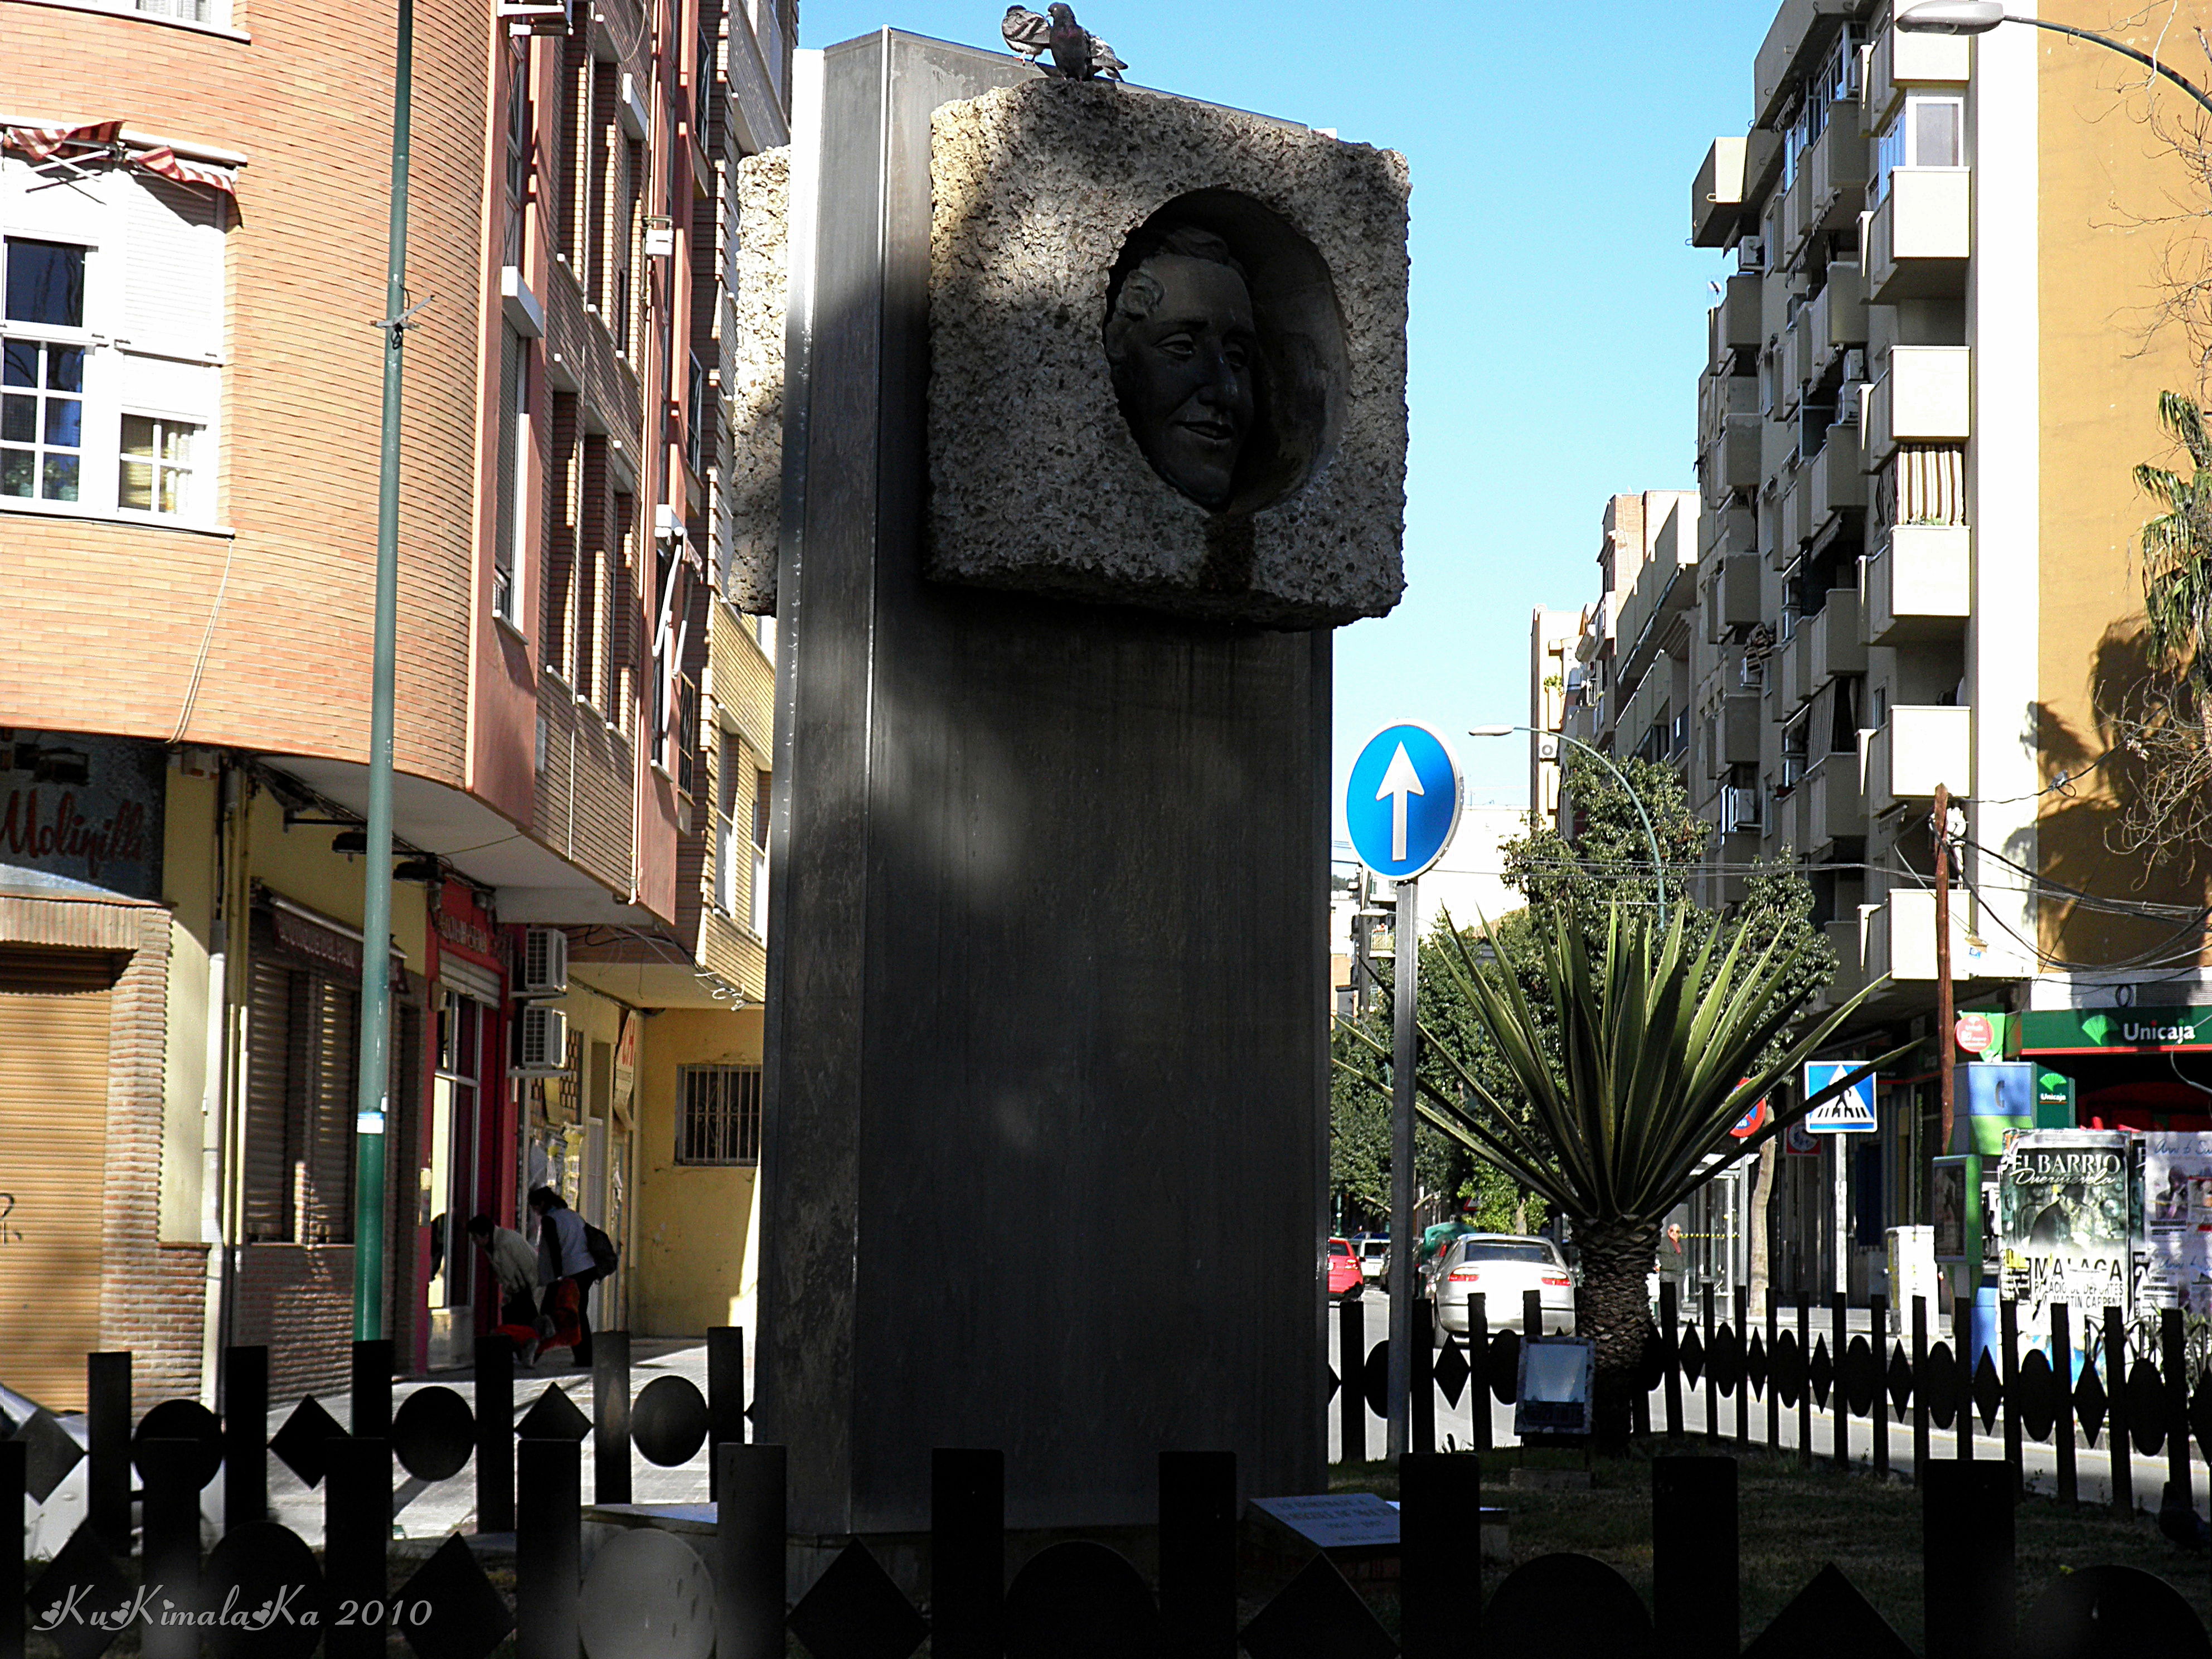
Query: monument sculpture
1094	421
1098	249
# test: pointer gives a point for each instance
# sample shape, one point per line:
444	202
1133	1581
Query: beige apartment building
1909	560
193	198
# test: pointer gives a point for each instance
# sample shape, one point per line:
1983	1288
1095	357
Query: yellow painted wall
188	883
298	864
692	1222
2108	175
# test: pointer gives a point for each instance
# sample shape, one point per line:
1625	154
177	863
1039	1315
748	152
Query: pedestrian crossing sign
1851	1113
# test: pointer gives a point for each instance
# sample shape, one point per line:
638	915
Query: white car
1502	1267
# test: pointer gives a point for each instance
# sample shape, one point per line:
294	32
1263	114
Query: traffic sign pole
1405	1060
1401	804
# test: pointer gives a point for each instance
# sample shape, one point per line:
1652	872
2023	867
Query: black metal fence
263	1593
1885	1394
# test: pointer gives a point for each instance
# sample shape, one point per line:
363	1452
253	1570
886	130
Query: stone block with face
1167	357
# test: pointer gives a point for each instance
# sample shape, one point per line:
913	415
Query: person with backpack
573	1255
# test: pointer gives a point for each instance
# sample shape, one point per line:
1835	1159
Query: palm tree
1661	1050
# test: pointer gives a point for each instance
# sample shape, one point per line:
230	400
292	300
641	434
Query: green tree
2162	721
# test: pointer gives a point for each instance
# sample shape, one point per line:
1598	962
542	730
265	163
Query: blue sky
1558	313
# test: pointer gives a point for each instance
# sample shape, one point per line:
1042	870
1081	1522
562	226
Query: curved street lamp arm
1658	862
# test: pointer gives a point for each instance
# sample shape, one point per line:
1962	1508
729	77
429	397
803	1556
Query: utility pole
376	898
1939	823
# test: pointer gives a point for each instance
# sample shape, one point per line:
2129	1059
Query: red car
1344	1275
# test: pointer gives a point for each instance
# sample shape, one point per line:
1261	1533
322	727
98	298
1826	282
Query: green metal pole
376	903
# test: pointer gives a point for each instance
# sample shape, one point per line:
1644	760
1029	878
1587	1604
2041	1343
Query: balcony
1900	934
1836	646
1796	362
1794	686
1731	463
1838	317
1797	221
1923	398
1665	587
1837	167
1838	486
1736	725
1777	452
1716	194
1738	323
1720	396
1793	522
1835	804
1730	531
1897	60
1917	588
1845	938
1732	601
1802	30
1919	236
1921	746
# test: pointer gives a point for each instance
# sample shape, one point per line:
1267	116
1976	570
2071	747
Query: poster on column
2063	1224
2177	1220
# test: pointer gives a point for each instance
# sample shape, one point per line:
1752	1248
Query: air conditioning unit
1548	748
1754	674
544	963
541	1041
535	16
1750	254
1739	810
1855	363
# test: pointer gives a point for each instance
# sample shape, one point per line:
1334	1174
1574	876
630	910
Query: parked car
1375	1260
1502	1266
1344	1278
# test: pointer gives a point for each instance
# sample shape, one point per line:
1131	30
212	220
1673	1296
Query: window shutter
328	1102
173	288
268	1066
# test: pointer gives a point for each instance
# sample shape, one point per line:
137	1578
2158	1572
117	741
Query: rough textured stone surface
1036	482
757	399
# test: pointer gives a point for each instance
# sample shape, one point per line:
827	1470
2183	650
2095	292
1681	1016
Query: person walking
514	1269
566	1266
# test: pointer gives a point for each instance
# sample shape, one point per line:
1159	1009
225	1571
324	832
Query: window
1929	132
726	841
518	145
111	331
508	528
721	1115
157	471
762	781
41	372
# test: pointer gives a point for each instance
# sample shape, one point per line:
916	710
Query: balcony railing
1921	398
1918	747
1917	584
1919	235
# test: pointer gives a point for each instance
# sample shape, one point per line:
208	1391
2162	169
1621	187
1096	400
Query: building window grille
721	1116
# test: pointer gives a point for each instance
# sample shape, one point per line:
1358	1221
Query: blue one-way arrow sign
1403	801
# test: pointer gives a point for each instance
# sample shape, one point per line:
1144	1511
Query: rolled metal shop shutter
53	1144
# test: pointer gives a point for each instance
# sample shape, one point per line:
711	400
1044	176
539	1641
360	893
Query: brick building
193	204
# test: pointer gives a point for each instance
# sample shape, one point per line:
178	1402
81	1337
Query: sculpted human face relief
1184	373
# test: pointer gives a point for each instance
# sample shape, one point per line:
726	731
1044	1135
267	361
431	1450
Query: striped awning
92	141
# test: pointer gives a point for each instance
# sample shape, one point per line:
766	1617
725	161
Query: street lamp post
1658	862
1980	16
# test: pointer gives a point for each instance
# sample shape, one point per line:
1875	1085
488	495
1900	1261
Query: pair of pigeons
1076	53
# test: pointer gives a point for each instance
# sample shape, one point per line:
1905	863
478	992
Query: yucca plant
1661	1048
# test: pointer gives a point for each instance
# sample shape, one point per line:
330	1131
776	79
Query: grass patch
1791	1520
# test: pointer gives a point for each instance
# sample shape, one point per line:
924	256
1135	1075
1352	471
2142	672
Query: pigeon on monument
1078	54
1027	33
